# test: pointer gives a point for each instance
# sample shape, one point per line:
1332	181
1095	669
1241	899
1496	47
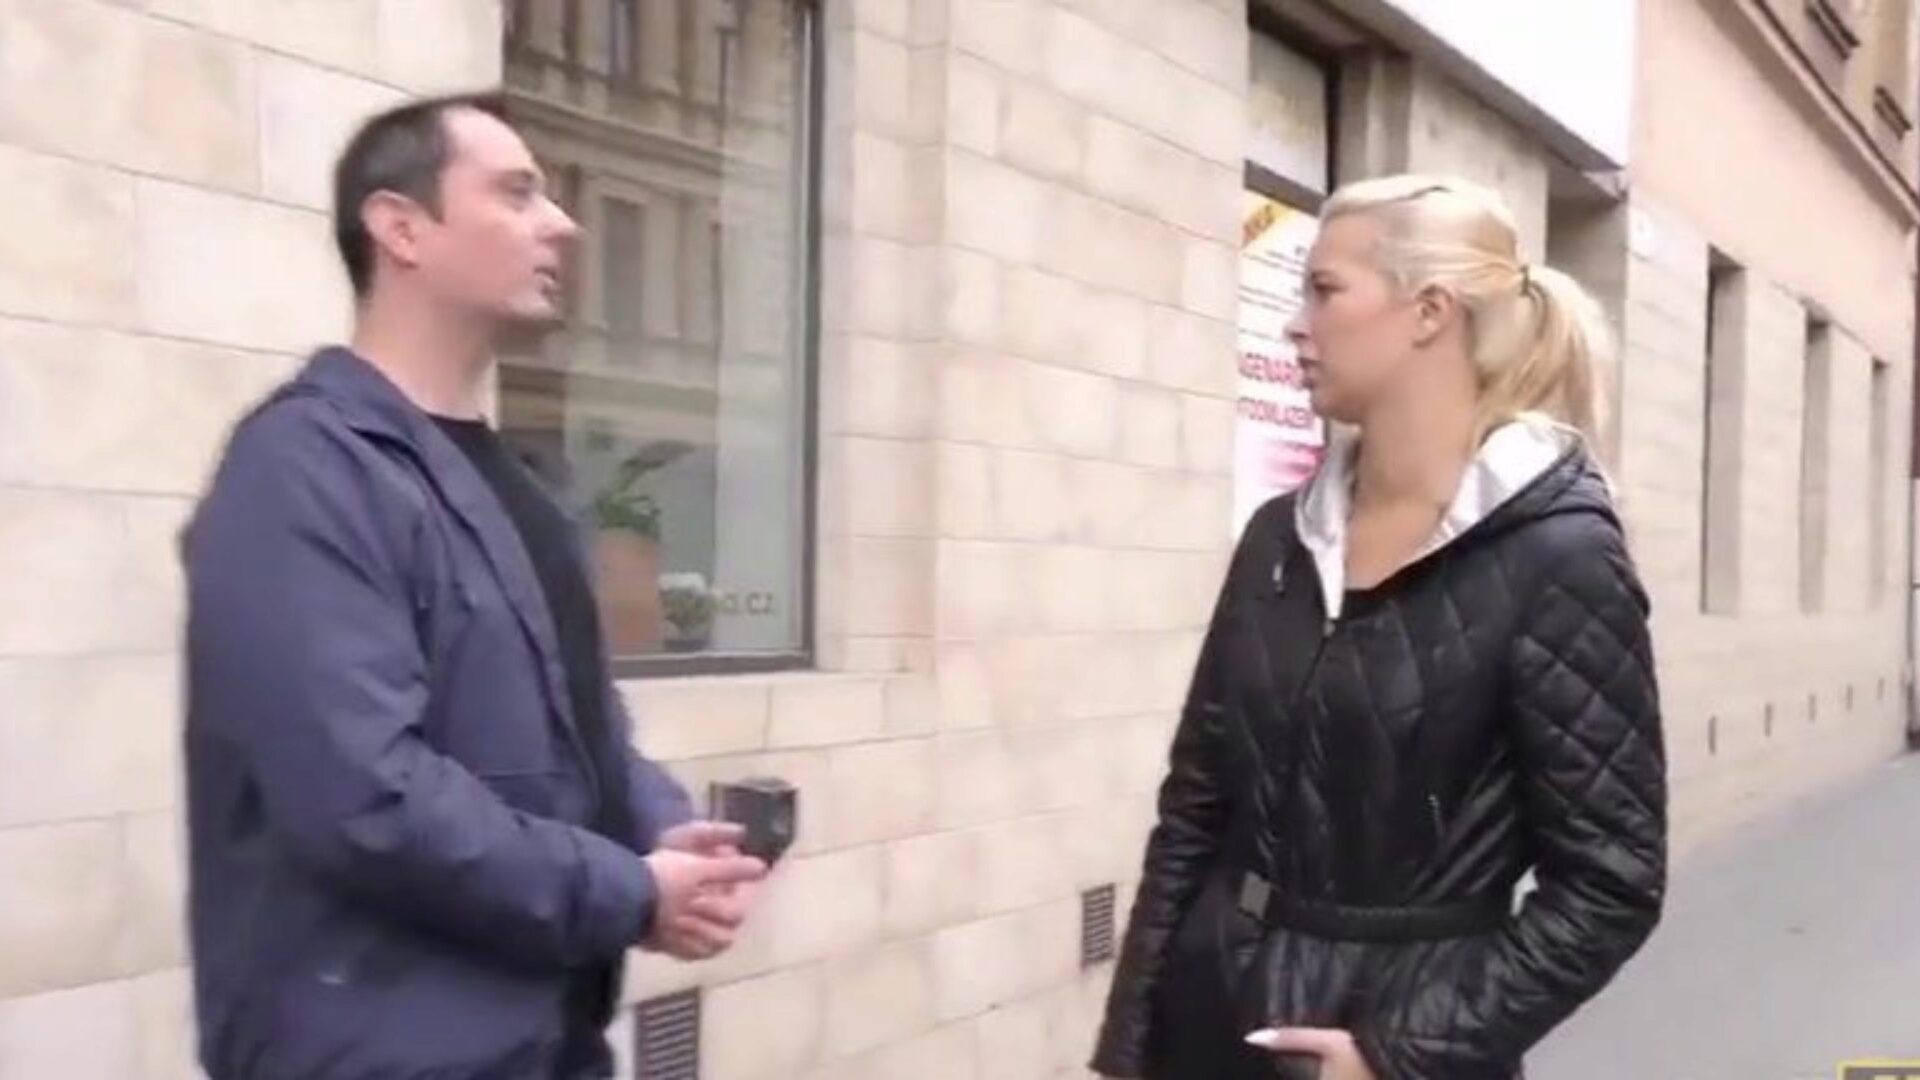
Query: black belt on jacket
1387	925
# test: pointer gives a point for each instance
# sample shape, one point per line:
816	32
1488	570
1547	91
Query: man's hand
704	838
696	913
1339	1058
729	904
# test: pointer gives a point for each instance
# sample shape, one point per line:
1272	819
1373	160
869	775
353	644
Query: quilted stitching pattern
1492	709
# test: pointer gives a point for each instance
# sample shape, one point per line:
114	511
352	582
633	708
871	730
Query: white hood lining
1514	456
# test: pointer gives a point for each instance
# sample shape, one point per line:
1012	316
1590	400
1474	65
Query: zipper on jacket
1439	827
1327	630
1329	625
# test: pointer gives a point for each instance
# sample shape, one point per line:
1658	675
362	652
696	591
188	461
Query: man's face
499	243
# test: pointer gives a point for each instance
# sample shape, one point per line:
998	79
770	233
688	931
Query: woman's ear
1435	310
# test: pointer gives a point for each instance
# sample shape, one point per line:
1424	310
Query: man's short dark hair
403	150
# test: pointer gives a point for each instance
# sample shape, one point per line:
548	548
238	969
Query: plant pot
689	643
627	589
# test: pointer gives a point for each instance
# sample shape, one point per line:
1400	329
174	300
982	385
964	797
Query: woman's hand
1339	1058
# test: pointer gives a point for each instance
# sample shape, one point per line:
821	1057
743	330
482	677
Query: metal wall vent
666	1037
1096	925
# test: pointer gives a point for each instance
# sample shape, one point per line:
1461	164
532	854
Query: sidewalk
1786	948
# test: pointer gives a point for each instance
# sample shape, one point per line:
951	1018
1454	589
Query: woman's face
1356	333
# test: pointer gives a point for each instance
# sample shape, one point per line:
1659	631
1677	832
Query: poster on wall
1277	438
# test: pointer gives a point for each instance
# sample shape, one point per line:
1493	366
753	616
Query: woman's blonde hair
1538	340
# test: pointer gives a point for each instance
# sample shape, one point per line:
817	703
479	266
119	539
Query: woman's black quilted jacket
1489	710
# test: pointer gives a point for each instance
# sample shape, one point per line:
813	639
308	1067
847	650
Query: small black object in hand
767	807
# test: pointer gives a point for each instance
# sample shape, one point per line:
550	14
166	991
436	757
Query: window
672	411
1816	455
1837	23
1894	44
1879	433
623	27
622	284
1725	422
1289	121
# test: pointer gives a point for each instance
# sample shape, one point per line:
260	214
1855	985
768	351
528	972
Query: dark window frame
1264	181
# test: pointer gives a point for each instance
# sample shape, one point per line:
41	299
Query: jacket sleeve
1585	726
1193	812
305	656
659	801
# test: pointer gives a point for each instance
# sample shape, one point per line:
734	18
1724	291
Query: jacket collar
370	403
1509	461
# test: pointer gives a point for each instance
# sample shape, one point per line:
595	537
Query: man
421	841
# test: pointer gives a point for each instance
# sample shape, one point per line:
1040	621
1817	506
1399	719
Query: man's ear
394	222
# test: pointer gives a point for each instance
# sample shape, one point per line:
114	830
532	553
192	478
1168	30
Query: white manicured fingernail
1265	1039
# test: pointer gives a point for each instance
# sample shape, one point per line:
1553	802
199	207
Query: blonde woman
1428	674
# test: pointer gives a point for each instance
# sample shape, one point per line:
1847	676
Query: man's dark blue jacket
392	869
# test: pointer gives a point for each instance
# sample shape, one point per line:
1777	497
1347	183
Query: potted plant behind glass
689	609
626	553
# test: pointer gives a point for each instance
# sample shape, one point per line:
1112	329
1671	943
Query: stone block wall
164	258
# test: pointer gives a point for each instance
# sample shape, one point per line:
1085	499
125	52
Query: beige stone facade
1028	291
1740	150
164	258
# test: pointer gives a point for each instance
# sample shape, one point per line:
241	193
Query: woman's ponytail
1552	366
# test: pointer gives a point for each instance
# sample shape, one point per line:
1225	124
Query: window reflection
669	410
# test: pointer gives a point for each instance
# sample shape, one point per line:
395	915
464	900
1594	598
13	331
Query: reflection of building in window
622	28
675	129
623	252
